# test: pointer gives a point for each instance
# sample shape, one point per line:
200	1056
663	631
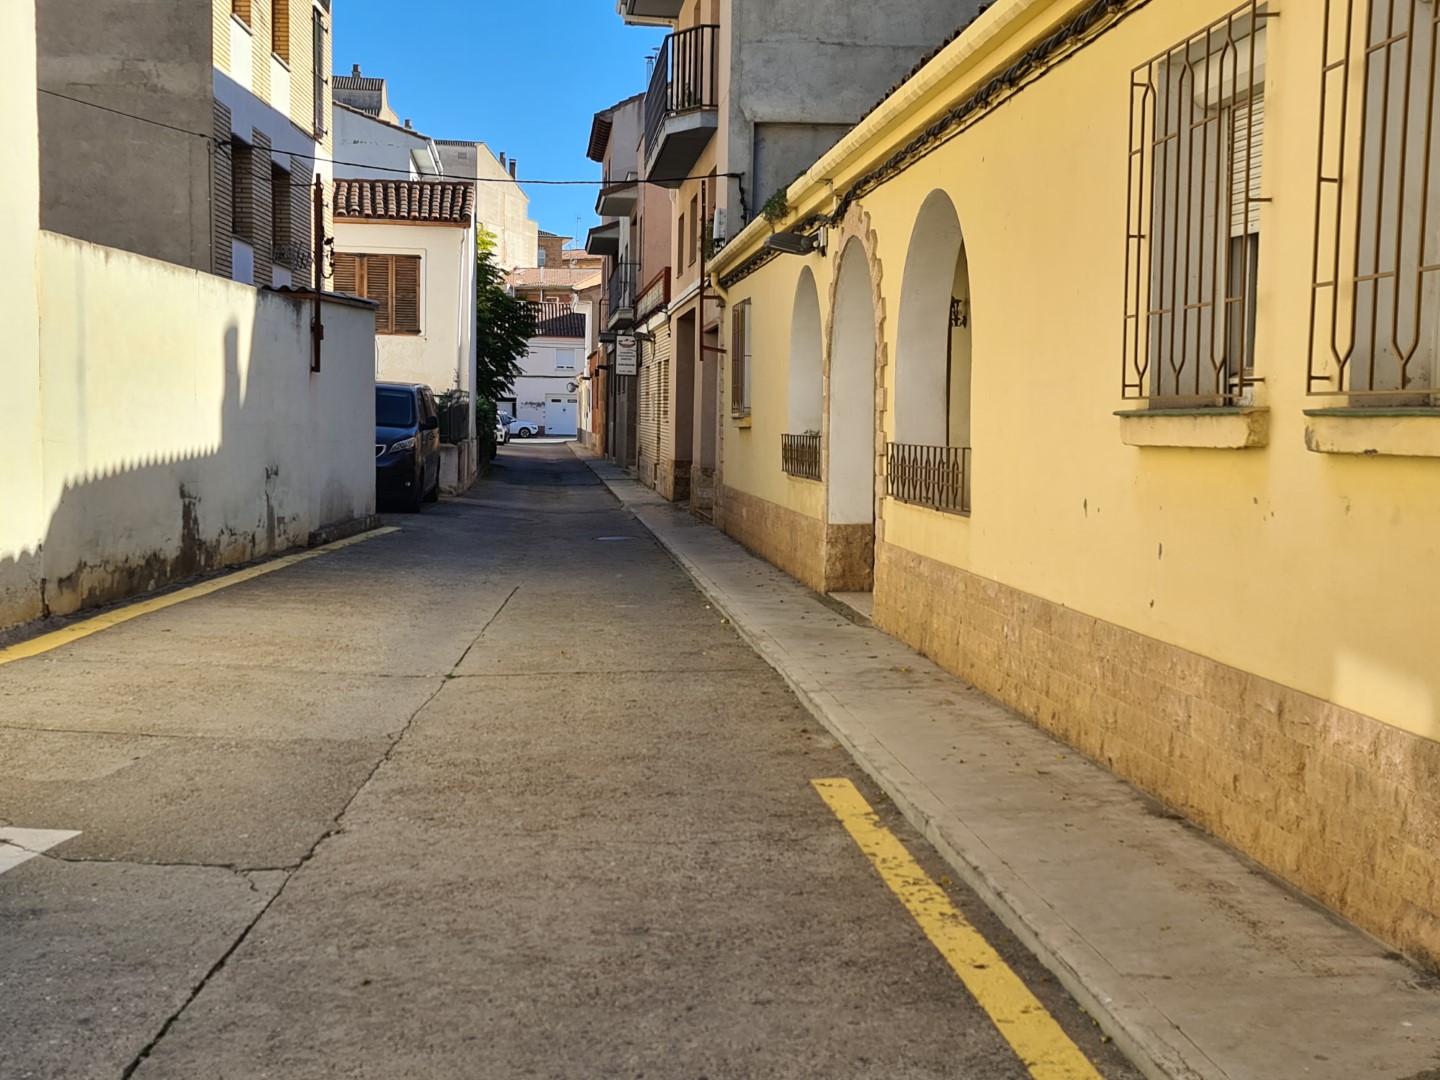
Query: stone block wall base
849	558
790	540
672	480
1336	802
702	489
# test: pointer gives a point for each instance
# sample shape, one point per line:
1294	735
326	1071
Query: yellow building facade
1105	354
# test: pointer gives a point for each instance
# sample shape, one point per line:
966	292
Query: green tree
505	328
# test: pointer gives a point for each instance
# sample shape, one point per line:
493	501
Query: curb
342	530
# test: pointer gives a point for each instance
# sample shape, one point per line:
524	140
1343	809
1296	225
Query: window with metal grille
392	281
739	356
1197	127
1375	310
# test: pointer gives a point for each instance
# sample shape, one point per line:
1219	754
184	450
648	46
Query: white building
547	393
374	142
410	246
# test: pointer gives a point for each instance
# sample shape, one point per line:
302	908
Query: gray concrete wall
110	179
809	70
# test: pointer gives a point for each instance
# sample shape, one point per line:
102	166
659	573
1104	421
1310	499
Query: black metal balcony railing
686	77
800	455
621	290
933	476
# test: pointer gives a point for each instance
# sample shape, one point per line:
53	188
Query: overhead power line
210	137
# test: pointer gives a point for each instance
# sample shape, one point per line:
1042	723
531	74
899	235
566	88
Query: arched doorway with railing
929	461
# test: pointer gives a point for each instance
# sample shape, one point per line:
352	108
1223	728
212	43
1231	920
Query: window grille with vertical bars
1375	305
1197	122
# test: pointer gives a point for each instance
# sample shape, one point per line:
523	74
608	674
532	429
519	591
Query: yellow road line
75	631
1032	1032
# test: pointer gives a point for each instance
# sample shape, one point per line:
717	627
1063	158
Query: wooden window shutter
736	353
406	318
376	282
345	273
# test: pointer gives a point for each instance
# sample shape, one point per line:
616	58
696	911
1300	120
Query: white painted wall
181	426
22	527
375	150
544	378
248	112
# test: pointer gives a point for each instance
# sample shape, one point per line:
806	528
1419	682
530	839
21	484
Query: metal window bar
686	77
1192	235
933	476
1375	305
800	455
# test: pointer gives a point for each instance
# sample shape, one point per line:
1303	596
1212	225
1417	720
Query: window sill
1366	432
947	512
1235	428
740	420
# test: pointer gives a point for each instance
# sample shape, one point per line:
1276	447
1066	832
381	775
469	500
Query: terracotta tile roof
558	320
553	277
442	202
575	254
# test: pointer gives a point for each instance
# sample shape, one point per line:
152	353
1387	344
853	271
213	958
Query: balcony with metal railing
620	296
682	104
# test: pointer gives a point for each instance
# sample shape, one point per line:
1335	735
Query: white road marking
20	845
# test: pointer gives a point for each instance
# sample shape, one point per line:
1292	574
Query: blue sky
523	77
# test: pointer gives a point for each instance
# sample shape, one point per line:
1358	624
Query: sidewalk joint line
336	827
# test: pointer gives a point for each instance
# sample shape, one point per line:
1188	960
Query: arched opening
851	438
807	360
805	401
929	461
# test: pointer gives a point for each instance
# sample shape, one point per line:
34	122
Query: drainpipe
317	325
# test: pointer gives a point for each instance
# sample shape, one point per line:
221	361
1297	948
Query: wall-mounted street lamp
793	243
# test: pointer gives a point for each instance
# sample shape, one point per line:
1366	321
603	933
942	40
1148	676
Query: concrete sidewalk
1197	962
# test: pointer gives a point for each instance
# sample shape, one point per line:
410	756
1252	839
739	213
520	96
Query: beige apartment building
741	100
193	136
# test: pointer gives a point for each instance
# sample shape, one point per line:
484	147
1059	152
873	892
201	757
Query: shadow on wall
249	456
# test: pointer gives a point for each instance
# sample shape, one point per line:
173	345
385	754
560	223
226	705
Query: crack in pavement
488	623
336	827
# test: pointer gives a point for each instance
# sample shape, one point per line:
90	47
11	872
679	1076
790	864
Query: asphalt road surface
494	795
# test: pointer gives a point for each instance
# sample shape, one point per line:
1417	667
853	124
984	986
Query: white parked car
521	429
